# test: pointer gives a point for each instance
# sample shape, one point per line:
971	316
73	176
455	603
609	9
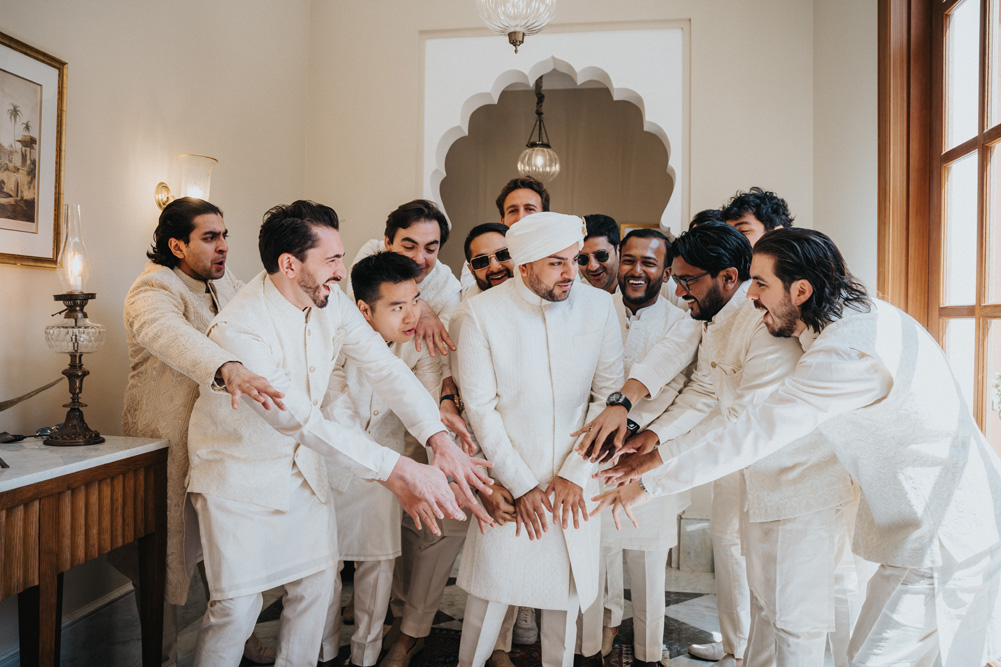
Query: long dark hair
806	254
176	222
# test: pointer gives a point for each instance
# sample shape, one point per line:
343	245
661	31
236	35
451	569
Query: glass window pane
960	229
994	65
961	72
994	226
960	347
992	395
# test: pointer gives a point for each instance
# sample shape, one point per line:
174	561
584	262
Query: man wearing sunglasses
785	513
487	257
599	256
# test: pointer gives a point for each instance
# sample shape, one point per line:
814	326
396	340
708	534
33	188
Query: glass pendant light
539	160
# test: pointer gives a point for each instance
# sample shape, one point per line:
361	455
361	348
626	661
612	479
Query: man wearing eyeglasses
788	508
532	353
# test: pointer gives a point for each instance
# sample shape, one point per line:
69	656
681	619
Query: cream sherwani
258	478
883	395
532	372
368	515
644	548
166	315
792	588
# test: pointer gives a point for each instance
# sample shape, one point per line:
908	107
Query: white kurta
650	326
532	372
166	315
368	514
260	457
739	363
883	394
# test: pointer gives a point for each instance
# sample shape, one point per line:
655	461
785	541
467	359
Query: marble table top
31	461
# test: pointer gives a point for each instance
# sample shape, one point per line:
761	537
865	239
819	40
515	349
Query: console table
63	506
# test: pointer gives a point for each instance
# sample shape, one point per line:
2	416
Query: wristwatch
454	398
618	398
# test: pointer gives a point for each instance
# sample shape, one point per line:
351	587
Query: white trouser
648	576
847	597
790	570
733	599
589	621
410	544
481	627
228	623
373	582
429	572
611	562
947	616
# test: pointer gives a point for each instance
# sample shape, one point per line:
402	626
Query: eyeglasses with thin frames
687	282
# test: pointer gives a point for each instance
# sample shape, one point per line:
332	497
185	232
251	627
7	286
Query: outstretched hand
430	330
568	498
458	466
630	468
239	382
622	499
530	512
609	425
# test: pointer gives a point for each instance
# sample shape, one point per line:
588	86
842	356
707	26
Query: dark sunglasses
601	257
483	261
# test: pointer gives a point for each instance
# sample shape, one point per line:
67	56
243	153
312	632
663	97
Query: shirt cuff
650	378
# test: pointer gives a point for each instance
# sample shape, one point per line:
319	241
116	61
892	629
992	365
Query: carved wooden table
63	506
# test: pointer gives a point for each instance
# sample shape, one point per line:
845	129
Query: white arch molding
646	64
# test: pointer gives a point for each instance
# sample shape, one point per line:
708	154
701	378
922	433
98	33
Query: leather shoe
399	656
712	651
607	640
644	663
727	661
258	653
499	659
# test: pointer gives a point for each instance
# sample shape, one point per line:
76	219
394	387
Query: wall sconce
75	334
196	177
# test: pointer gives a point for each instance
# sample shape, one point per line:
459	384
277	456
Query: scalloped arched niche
647	66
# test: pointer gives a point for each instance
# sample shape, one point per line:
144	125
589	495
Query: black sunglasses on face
483	261
601	257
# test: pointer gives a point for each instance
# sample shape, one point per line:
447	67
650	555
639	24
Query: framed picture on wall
32	118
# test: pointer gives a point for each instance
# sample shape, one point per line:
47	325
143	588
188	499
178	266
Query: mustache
759	305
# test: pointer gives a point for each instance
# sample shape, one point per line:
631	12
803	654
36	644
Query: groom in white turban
537	356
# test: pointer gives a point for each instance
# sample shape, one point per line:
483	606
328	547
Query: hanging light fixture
539	160
516	18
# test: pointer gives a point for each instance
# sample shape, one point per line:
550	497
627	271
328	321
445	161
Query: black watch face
615	398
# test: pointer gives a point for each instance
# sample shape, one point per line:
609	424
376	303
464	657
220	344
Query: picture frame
32	135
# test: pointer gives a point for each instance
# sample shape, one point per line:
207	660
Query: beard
648	294
547	292
710	304
784	318
486	284
314	291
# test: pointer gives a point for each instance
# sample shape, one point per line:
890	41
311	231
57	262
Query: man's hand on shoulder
239	381
433	332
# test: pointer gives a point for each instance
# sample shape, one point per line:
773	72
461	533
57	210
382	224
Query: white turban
542	234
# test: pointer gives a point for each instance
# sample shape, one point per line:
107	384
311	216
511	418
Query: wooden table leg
153	574
39	618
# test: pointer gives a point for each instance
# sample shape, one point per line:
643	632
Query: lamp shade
74	265
196	175
539	161
516	18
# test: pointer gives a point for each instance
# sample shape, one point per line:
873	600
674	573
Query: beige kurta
531	373
166	315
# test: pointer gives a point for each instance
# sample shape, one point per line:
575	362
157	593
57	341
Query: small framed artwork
32	118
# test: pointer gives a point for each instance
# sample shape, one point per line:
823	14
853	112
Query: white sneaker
712	651
525	629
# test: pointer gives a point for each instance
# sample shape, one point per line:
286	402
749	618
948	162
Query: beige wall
608	163
149	80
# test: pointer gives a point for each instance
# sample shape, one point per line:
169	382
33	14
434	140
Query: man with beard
258	478
487	257
785	513
599	256
645	319
167	311
533	354
882	393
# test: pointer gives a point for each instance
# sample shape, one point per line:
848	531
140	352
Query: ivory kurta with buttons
531	373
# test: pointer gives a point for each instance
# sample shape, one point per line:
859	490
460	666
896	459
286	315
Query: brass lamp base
74	431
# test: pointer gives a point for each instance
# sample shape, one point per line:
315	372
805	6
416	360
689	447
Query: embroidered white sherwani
258	478
883	395
532	372
792	601
166	315
644	548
